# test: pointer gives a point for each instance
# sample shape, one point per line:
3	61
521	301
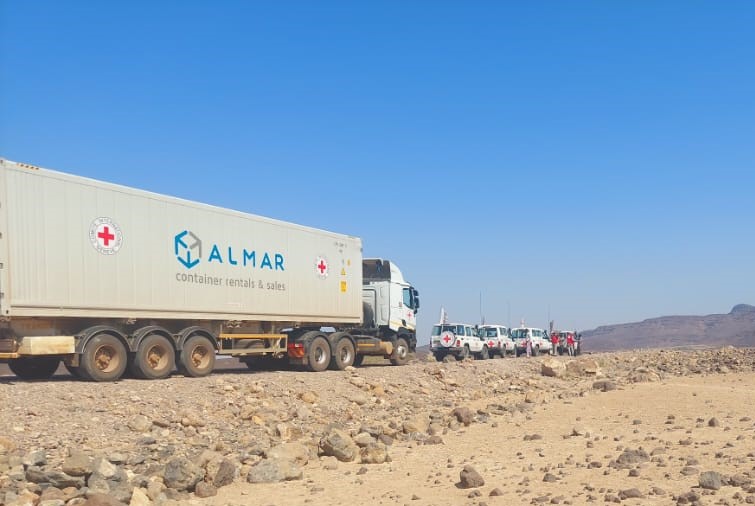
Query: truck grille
7	345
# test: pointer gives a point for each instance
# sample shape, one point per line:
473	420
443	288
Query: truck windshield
489	332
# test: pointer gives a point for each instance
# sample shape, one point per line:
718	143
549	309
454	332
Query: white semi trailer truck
112	280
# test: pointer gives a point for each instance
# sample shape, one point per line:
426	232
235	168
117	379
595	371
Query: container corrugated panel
73	246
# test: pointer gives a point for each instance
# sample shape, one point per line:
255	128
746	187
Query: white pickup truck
459	340
540	341
498	339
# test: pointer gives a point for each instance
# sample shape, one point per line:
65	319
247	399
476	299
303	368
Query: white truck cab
457	339
498	339
540	340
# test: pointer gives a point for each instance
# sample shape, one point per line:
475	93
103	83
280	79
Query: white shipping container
76	247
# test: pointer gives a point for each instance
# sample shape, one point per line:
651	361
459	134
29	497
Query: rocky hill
736	328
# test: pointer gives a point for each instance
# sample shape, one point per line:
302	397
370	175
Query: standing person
529	344
570	343
554	342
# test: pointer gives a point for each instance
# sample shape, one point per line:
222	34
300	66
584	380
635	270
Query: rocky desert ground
642	427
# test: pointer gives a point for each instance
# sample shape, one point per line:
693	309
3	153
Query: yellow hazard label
343	272
343	286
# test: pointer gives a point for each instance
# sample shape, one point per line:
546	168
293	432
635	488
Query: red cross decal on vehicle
322	266
446	339
106	236
490	344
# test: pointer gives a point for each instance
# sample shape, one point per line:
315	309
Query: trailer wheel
358	359
343	354
197	358
154	359
104	358
318	357
36	368
401	352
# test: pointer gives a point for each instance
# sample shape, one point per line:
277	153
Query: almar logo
188	248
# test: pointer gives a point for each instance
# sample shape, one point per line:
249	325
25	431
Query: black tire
484	354
34	368
197	358
358	359
535	351
318	357
104	358
400	354
154	359
343	354
464	353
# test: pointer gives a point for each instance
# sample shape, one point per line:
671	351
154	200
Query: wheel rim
345	354
401	351
200	356
319	355
157	357
106	358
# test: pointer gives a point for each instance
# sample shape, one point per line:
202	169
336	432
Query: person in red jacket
570	343
554	342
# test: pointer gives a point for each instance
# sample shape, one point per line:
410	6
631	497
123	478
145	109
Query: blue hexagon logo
188	249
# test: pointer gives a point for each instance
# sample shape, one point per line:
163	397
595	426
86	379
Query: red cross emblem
321	266
446	339
106	236
490	344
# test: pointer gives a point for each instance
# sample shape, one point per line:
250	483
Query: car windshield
519	333
488	332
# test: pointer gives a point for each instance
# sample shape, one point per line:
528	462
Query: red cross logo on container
105	236
321	267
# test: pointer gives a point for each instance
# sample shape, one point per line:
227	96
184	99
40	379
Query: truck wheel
343	355
154	359
358	359
318	357
197	359
36	368
401	352
536	351
464	353
104	358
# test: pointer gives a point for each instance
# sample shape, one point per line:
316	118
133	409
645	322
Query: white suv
457	339
541	343
498	339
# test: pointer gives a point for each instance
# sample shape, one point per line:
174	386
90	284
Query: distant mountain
736	328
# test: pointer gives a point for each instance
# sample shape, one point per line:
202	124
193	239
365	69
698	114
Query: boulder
182	474
552	367
470	478
337	443
274	471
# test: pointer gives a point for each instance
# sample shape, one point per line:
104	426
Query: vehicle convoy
110	280
498	338
457	340
538	337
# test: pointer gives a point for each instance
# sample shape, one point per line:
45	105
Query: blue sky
589	161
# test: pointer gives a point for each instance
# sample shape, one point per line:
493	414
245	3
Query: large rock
553	367
711	480
77	463
463	415
273	471
374	453
182	474
293	452
470	478
337	443
630	458
225	475
418	423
